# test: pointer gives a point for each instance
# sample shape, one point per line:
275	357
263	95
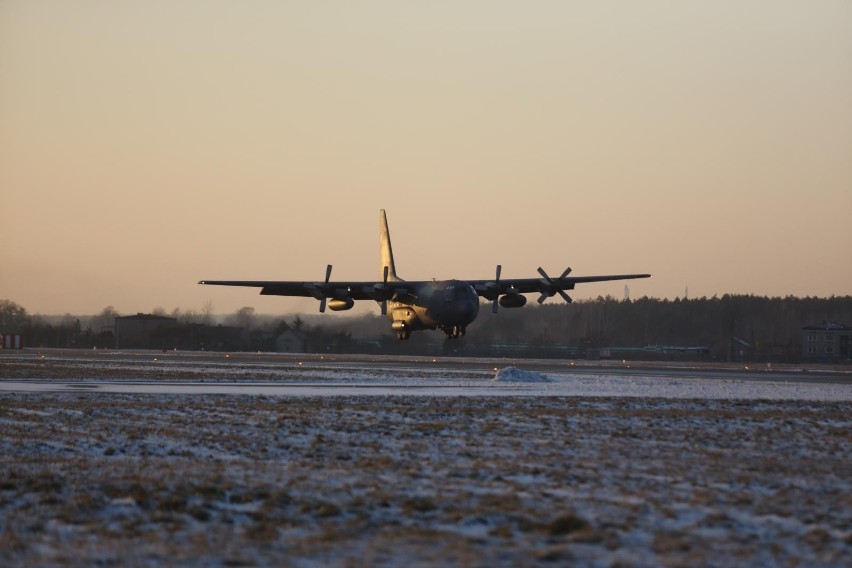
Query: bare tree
207	313
244	317
104	321
13	316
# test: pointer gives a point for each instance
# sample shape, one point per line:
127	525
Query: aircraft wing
329	289
546	286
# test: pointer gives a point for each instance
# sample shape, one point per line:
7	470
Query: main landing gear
455	331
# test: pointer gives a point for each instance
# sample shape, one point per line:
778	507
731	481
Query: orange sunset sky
147	145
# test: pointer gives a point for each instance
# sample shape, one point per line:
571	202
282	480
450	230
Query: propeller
494	304
549	286
324	292
384	294
491	290
379	292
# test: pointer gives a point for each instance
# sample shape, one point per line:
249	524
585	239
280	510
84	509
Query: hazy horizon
310	313
147	146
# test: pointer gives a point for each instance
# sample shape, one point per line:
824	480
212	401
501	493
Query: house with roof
142	331
291	341
828	342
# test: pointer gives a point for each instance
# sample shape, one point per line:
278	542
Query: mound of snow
515	375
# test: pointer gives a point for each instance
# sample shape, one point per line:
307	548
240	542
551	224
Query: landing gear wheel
455	332
402	334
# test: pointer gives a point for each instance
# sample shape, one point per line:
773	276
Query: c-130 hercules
448	305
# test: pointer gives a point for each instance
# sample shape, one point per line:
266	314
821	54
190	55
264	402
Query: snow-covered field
389	467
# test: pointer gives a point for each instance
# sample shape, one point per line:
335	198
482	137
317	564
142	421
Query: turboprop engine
340	304
513	300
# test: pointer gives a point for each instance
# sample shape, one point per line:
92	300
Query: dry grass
117	479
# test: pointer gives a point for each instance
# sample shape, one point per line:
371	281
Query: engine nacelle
405	315
340	304
513	300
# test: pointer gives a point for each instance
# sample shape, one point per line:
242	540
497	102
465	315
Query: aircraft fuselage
448	305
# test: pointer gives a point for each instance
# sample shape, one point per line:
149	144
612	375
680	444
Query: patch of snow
515	375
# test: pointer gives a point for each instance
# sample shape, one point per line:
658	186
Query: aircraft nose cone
469	311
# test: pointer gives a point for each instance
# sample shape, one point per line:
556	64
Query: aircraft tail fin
386	252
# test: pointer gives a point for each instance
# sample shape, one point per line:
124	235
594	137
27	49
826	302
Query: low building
11	341
291	342
828	342
142	331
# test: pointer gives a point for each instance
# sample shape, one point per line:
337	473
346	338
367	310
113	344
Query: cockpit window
456	290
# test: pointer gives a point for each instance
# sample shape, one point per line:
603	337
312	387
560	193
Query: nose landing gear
401	326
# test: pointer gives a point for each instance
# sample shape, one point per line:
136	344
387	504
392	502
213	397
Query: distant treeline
731	327
728	328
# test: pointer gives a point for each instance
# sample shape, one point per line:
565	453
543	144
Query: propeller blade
495	307
544	294
325	289
383	288
549	291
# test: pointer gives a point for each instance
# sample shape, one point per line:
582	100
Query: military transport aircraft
448	305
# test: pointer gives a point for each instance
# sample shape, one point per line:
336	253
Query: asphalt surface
40	370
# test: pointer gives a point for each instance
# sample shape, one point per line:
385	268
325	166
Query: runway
269	374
